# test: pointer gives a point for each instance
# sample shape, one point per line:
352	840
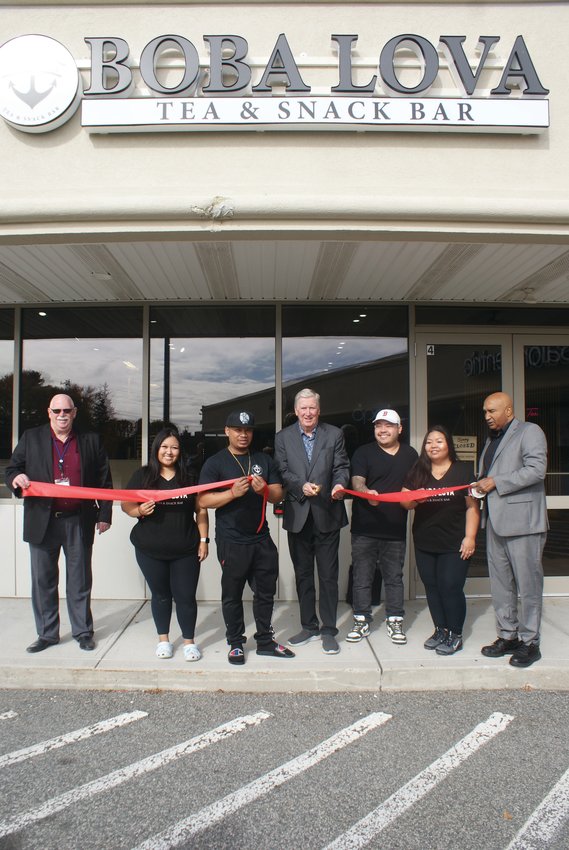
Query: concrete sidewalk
124	657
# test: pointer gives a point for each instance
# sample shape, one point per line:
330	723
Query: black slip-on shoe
277	650
236	655
40	644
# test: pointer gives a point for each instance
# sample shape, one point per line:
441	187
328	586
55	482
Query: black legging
444	575
175	578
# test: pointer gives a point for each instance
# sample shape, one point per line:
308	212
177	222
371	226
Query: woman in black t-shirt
444	533
170	541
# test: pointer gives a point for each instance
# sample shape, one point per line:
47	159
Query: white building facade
211	205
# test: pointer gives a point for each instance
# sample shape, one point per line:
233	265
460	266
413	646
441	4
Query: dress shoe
40	644
501	647
87	643
526	654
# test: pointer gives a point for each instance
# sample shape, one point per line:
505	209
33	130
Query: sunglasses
58	410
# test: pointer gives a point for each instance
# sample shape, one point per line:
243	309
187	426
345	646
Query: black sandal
236	655
277	650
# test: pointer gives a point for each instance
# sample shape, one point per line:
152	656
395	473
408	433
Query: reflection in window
355	357
6	382
207	361
459	377
95	355
546	373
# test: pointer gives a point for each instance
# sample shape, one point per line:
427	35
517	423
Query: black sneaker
501	647
451	644
436	638
526	654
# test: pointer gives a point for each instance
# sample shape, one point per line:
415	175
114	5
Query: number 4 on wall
430	349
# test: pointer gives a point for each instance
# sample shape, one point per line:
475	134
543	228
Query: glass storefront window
207	361
546	376
6	382
459	377
95	355
355	357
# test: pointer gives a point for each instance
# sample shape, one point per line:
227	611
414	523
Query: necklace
239	464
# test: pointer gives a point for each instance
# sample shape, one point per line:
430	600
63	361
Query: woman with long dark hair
170	541
444	533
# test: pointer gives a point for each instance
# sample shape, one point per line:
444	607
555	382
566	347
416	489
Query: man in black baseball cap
245	551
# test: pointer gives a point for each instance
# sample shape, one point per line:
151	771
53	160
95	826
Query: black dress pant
305	547
65	533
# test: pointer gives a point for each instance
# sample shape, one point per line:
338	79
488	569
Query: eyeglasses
58	410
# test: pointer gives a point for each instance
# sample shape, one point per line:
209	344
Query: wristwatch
204	539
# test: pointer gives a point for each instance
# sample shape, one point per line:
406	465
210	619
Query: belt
65	514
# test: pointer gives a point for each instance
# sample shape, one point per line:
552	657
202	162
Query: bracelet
204	539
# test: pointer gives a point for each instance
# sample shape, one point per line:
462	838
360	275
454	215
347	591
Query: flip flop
277	650
236	655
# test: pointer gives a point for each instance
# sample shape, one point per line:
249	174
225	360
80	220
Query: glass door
454	374
541	372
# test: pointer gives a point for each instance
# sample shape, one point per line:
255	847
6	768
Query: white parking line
362	832
123	774
8	715
540	828
71	737
206	817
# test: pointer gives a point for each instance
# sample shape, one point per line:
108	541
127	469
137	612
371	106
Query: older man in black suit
314	466
56	453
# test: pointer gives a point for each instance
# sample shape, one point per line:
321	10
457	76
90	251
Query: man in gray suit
314	466
513	465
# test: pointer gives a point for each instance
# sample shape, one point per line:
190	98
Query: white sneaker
359	630
395	631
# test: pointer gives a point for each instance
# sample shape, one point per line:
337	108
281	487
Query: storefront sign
466	448
172	88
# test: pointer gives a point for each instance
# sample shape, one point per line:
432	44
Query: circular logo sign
39	83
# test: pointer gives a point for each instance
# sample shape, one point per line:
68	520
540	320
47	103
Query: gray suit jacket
329	466
517	506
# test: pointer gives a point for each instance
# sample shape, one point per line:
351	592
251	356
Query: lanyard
61	455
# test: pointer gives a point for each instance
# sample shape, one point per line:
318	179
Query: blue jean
369	554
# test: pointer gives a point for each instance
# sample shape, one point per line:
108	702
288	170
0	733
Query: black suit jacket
33	455
329	466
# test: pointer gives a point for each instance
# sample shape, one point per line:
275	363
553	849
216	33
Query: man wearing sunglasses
56	453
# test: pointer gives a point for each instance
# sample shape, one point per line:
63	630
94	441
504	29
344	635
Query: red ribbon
407	495
57	491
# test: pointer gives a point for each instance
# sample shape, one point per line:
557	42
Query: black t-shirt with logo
385	473
171	530
239	519
439	524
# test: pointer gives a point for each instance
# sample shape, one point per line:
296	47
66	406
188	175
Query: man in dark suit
314	466
56	453
513	466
